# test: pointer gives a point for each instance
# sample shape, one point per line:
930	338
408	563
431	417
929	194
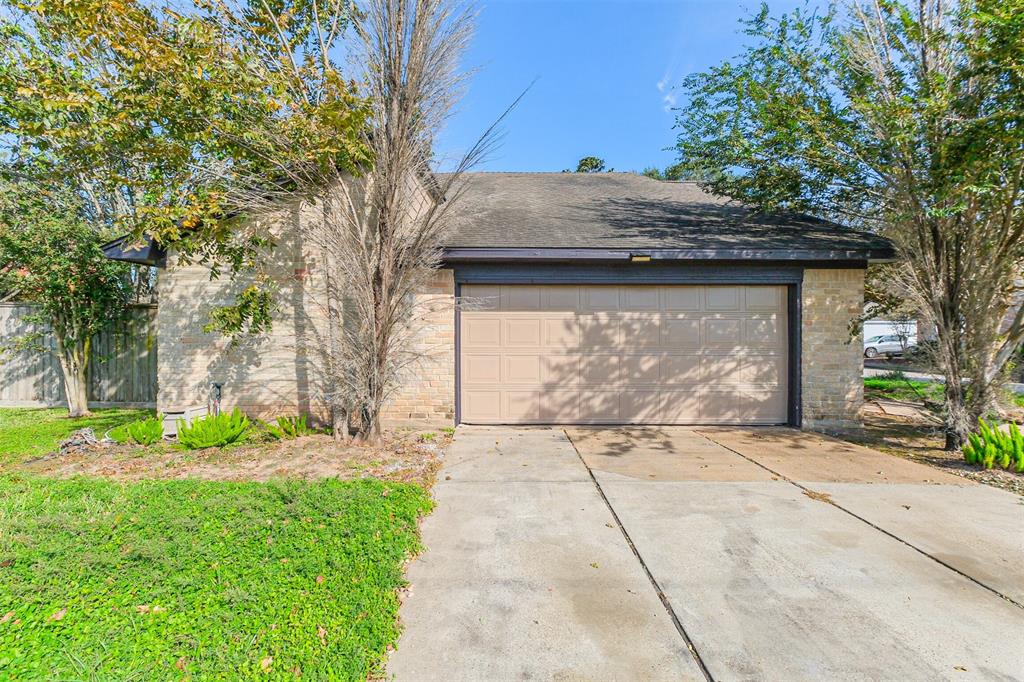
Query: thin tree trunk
74	365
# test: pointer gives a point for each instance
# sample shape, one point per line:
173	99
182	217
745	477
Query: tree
589	164
675	172
902	118
50	256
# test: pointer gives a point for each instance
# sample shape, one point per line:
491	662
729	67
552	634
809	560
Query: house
571	298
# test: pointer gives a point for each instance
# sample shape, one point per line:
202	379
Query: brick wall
832	363
427	393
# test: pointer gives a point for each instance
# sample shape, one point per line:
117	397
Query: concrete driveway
673	553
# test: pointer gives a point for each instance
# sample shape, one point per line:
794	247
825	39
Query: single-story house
571	298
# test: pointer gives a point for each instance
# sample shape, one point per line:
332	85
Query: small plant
213	431
448	430
289	427
141	431
992	447
428	437
146	431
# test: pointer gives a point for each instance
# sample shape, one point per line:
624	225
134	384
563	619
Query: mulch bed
401	456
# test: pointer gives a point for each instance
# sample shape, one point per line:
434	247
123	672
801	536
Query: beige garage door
623	354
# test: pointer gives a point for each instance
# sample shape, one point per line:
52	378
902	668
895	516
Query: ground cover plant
288	427
142	431
102	579
33	432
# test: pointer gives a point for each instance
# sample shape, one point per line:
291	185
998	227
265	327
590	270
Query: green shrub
289	427
146	431
991	447
141	431
213	431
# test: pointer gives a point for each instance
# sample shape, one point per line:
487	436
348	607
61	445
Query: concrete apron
782	556
792	556
526	575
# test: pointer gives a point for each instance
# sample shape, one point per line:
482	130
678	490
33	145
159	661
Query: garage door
623	354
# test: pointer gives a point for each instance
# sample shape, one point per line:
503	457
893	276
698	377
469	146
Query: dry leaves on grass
401	457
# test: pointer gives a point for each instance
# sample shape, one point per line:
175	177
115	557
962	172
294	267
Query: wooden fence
122	371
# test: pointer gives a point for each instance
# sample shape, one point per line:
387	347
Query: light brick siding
427	394
268	376
832	363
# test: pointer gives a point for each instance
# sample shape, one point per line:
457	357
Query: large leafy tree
906	118
50	256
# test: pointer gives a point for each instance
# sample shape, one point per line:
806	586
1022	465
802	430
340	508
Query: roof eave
142	252
456	254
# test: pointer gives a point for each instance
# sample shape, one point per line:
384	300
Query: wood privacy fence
122	370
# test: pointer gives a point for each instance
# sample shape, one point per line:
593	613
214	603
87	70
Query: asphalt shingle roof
629	211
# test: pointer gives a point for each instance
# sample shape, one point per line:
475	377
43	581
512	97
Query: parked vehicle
888	345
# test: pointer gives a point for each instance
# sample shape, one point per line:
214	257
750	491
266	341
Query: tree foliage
906	118
50	256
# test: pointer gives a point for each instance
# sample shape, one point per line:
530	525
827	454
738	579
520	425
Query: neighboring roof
583	213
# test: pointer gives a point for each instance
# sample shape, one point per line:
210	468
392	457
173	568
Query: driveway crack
647	571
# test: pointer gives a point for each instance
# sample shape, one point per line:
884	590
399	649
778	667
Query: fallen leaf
284	561
6	563
906	506
180	663
319	580
960	668
266	663
142	608
321	632
59	614
820	497
7	616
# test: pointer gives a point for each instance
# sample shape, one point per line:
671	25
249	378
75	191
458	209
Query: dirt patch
922	441
407	456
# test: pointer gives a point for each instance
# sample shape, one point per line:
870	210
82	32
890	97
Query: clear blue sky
606	73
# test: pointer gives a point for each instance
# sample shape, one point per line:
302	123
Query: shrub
991	447
141	431
289	427
213	431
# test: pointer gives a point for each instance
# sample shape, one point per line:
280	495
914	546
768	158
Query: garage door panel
600	370
680	369
638	407
481	332
725	299
481	405
723	333
599	332
640	330
481	368
598	406
521	406
624	354
560	407
681	332
560	370
764	299
561	332
599	298
761	332
640	369
682	298
522	369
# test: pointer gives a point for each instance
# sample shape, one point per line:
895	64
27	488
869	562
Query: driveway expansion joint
827	499
647	571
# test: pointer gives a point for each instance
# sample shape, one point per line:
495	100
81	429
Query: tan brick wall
832	364
427	393
272	375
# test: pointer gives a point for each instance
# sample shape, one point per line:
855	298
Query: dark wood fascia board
457	254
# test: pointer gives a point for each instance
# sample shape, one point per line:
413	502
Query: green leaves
991	446
288	428
213	431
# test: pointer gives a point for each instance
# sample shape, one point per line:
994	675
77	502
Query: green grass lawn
30	432
902	389
202	580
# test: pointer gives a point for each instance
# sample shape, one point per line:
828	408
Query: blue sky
606	72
